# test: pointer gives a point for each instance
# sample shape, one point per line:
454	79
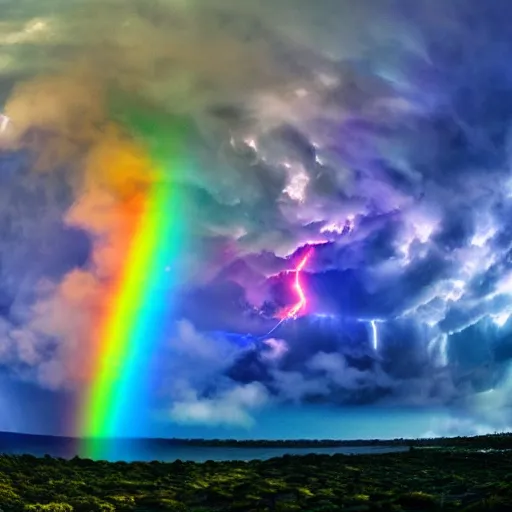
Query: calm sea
150	450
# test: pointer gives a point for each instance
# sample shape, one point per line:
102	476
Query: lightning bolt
375	335
293	312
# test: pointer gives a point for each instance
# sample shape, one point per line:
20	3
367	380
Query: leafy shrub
418	500
49	507
91	504
10	500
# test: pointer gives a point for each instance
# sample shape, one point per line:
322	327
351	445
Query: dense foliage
420	479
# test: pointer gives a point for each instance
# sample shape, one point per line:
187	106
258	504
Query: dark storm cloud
445	264
444	142
37	249
36	243
376	133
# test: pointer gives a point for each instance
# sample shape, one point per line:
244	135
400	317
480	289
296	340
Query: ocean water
156	450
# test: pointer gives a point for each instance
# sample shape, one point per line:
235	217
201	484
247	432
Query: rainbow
139	302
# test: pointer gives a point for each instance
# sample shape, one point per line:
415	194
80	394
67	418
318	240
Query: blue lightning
375	335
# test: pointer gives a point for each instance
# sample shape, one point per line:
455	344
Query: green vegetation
418	479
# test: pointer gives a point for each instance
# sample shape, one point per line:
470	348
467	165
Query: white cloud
230	408
277	349
454	427
199	391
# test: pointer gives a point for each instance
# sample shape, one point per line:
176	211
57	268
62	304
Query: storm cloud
376	135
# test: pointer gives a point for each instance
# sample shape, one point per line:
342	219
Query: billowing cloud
378	135
196	387
229	409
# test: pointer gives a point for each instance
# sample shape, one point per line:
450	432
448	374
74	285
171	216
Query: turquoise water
204	453
149	450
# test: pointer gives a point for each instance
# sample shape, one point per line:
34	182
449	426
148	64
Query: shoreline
504	440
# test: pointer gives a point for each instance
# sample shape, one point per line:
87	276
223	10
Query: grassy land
420	479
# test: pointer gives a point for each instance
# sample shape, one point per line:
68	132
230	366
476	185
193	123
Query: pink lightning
293	312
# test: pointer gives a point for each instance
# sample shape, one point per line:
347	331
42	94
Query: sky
373	134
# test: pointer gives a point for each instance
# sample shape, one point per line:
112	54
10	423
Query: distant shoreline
498	441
